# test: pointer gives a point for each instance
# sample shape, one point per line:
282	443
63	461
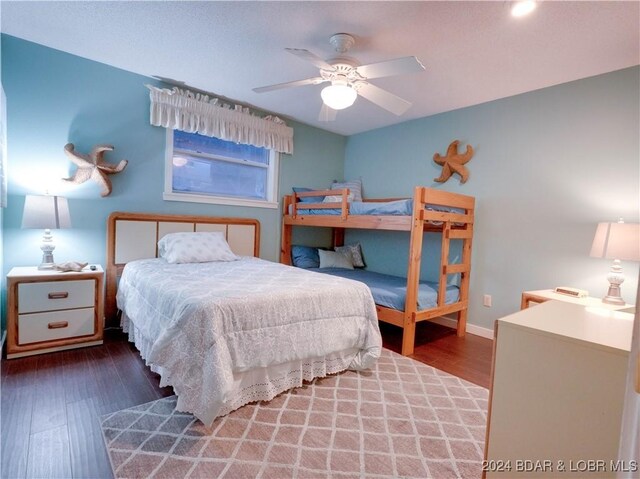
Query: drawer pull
58	325
60	295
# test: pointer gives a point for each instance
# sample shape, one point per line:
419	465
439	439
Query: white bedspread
203	326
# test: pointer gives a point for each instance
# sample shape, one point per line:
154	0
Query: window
209	170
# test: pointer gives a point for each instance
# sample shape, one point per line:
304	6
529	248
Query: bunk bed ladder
463	268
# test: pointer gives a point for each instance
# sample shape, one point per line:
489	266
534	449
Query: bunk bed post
285	240
344	204
337	237
285	249
413	273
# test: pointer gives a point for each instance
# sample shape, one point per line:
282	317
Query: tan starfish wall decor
93	167
453	163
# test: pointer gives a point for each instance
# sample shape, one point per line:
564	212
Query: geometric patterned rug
400	419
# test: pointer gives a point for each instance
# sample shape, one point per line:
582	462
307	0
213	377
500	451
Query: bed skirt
260	384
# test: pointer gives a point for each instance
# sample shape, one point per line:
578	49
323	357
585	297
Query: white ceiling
473	51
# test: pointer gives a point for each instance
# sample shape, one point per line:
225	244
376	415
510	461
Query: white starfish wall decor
93	167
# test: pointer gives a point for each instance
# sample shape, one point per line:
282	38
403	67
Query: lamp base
47	248
613	300
615	278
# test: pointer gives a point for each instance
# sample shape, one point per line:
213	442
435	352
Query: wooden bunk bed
425	217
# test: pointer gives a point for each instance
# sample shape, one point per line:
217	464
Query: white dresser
557	394
50	310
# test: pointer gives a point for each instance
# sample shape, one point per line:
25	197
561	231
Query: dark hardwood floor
438	346
51	403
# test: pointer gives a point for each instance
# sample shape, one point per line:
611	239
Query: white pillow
354	251
331	259
337	199
195	248
355	188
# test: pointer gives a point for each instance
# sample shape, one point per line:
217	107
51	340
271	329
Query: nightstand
542	295
52	311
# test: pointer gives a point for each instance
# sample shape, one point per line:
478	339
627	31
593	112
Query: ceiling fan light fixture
338	96
523	8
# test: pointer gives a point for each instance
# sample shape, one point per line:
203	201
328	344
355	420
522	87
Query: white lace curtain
198	113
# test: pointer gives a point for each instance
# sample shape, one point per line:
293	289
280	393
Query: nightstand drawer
55	295
37	327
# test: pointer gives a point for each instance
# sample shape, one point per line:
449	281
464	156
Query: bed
224	334
451	215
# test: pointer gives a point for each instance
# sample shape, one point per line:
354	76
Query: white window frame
272	182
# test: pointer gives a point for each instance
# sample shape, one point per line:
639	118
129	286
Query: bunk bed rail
342	205
444	198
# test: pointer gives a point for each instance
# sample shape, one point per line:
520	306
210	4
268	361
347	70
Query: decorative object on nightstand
72	266
570	291
47	213
616	241
53	310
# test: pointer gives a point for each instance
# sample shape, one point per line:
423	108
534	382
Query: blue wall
54	98
549	165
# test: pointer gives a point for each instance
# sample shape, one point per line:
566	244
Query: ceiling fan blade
327	113
399	66
310	57
383	98
289	84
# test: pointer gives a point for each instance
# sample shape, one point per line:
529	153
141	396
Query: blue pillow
307	199
305	257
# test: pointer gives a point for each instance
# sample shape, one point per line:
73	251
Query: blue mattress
387	208
391	291
374	208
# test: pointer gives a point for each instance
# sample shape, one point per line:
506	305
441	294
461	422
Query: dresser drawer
36	327
55	295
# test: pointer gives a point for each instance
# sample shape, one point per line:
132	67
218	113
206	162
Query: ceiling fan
349	79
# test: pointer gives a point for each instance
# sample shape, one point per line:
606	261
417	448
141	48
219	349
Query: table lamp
616	241
46	212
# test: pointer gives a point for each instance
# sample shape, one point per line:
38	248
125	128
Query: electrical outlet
487	300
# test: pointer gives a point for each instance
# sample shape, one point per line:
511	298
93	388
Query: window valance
199	113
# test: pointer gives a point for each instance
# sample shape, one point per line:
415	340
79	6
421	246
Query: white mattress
227	333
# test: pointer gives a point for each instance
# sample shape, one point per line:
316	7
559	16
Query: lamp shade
617	241
338	96
46	212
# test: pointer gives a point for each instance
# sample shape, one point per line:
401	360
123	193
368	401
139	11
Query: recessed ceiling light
525	7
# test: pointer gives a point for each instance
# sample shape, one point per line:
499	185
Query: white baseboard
471	328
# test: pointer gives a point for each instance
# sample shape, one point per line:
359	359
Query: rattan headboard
132	236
